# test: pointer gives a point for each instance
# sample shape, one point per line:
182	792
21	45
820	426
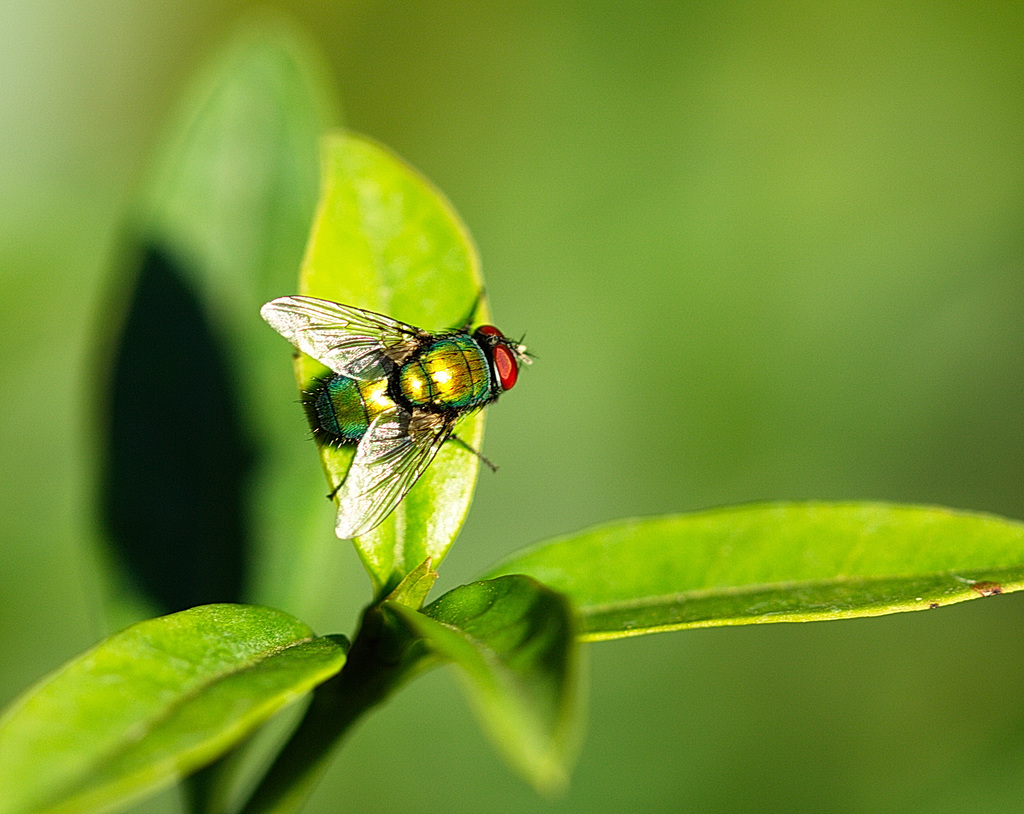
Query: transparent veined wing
356	343
390	458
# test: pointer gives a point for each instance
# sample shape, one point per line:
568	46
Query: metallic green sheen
452	373
342	408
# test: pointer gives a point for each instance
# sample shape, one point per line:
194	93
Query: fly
395	392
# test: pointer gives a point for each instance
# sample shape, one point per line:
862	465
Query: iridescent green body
450	374
340	409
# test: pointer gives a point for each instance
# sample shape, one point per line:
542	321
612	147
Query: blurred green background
759	253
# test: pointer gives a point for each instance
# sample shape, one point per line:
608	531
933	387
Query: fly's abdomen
340	409
452	373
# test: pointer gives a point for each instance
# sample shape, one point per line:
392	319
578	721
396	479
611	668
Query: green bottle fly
395	391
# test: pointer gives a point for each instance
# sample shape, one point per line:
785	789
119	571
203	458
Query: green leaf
513	640
153	703
387	241
235	184
782	562
224	218
383	656
413	589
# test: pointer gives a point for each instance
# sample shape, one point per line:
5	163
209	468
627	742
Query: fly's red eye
488	330
507	367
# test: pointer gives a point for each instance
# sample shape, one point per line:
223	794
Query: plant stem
382	658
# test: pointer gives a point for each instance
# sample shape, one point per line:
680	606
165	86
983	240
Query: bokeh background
760	250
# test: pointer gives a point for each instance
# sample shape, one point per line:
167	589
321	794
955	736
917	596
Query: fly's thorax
340	409
451	373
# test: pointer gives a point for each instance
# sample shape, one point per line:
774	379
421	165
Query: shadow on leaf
176	453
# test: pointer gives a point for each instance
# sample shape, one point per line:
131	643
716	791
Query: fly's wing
356	343
396	449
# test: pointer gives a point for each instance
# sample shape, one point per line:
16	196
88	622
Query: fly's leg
468	448
468	321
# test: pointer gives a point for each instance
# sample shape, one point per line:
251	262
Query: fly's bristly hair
320	437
